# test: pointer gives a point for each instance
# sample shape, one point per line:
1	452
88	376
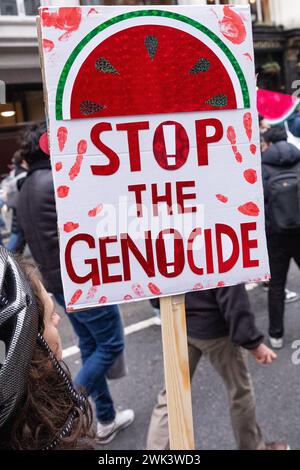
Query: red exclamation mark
170	145
169	131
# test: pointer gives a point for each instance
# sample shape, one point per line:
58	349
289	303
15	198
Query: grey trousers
231	362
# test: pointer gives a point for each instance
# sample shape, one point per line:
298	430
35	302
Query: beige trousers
231	362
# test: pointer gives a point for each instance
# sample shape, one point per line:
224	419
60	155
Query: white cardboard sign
155	152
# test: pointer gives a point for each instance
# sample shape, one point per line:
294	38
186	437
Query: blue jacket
294	124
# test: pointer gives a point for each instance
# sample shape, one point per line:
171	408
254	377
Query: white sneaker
251	286
276	343
156	321
291	296
107	432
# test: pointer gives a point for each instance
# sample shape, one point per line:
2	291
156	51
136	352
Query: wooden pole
177	374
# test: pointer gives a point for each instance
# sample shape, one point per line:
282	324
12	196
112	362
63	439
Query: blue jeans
12	242
16	242
101	340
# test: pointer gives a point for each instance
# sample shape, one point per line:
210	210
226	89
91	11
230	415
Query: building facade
276	42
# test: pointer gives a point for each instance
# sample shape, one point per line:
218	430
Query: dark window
31	7
215	2
8	7
260	10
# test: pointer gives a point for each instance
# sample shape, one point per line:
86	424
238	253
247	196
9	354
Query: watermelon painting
161	64
149	69
276	108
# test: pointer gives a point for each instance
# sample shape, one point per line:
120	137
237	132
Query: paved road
277	386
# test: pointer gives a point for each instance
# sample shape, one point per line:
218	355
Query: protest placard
155	153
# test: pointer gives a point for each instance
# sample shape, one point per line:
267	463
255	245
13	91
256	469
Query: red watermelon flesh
151	69
276	107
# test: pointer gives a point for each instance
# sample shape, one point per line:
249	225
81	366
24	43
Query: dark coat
216	313
38	220
14	225
279	157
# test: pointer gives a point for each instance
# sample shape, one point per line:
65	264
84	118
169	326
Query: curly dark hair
275	134
30	147
47	403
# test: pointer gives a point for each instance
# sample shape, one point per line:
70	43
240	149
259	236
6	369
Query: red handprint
62	135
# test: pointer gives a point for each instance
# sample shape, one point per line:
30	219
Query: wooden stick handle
177	375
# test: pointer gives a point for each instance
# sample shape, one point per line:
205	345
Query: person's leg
279	256
230	362
105	327
296	249
101	340
98	388
158	432
86	342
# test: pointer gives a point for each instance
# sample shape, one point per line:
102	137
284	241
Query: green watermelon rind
284	117
136	14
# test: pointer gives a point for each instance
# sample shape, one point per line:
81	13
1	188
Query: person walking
100	330
280	171
221	326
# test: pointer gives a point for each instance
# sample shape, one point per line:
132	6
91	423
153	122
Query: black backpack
284	200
